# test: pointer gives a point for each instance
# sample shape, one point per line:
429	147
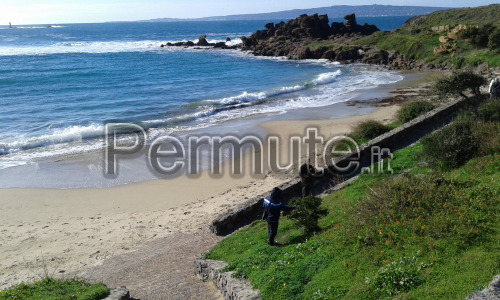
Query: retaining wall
231	288
396	139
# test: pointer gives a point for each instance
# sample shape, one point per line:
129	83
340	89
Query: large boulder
301	53
291	38
350	22
202	41
491	292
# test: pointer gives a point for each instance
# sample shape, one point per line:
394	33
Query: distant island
337	11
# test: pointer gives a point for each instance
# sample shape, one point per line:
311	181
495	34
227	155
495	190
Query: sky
90	11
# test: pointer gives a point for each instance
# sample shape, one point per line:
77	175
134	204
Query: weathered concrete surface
231	288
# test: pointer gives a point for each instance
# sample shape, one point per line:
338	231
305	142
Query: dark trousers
306	191
272	230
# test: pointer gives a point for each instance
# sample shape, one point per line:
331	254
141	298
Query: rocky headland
313	37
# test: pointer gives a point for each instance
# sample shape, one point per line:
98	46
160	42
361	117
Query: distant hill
337	11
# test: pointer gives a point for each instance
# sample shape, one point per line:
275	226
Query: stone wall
396	139
120	293
491	292
231	288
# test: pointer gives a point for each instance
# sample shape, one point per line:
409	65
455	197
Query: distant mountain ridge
337	11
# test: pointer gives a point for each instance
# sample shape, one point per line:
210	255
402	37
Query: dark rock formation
312	37
202	41
291	39
350	25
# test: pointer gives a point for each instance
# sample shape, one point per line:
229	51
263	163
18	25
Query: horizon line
231	15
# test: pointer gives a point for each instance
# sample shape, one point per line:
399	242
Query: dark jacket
306	173
273	206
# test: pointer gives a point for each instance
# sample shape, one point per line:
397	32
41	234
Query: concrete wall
231	288
396	139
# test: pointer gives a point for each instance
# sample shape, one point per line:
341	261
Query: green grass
435	231
417	40
475	16
49	288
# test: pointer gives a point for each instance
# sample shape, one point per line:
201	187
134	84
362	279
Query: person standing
306	174
272	210
494	88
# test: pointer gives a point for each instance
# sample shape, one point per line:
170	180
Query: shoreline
85	170
71	230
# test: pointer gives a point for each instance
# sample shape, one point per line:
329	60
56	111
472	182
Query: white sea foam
58	136
83	47
97	47
330	88
326	78
325	89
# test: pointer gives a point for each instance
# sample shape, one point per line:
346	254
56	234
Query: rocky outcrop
202	42
120	293
312	37
291	39
448	40
491	292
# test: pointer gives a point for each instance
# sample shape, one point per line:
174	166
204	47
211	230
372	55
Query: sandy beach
58	232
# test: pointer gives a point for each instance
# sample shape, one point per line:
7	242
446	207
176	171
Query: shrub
369	130
459	83
307	213
411	110
487	134
478	36
398	276
453	145
489	111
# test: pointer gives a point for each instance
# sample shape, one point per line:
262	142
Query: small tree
459	83
307	213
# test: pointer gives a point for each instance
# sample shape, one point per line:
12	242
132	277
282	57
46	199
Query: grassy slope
417	41
336	263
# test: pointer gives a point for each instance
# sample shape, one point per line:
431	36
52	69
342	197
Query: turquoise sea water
60	84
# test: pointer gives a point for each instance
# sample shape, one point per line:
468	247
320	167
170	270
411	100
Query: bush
494	40
307	213
489	111
369	130
487	134
50	288
459	83
478	36
411	110
453	145
398	276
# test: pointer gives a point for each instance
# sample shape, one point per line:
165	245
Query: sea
61	83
